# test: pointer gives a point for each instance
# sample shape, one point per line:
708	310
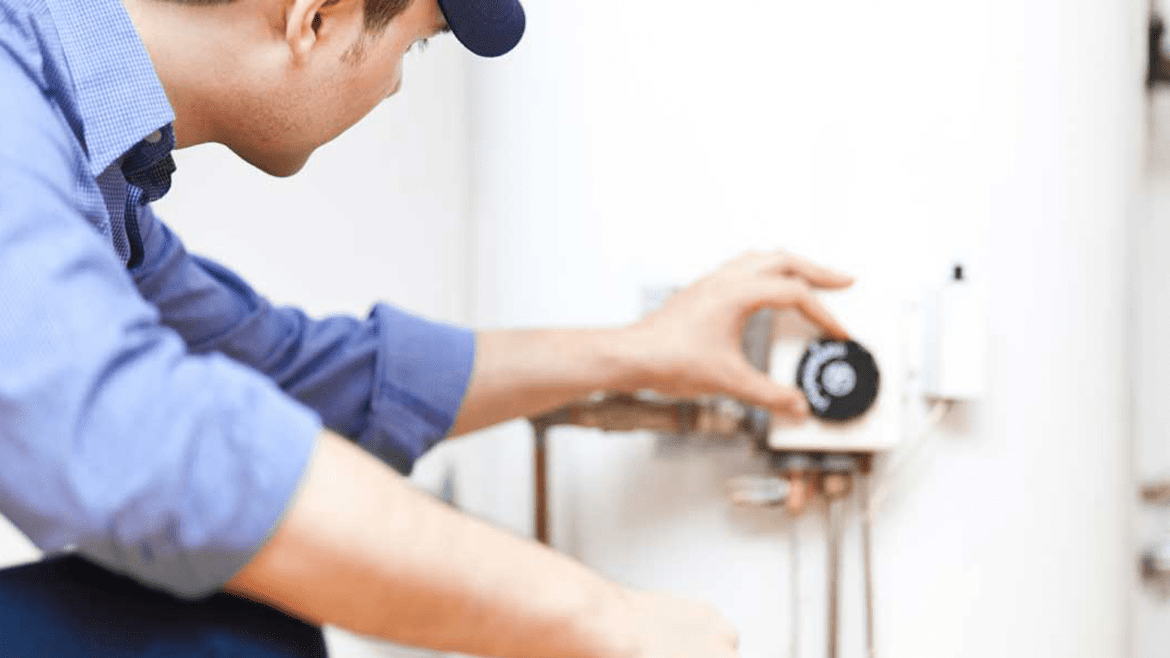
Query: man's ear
307	21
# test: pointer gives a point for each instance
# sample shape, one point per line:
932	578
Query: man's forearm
524	372
363	550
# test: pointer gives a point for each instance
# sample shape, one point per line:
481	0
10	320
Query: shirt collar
119	96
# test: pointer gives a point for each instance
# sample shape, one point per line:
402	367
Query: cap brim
488	28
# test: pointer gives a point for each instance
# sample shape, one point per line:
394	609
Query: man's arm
690	346
397	384
392	381
168	467
362	549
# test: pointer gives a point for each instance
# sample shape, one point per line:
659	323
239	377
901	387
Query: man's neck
188	47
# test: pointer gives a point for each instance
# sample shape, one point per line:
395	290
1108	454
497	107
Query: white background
630	144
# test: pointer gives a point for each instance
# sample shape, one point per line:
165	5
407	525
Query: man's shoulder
21	14
31	48
32	69
23	25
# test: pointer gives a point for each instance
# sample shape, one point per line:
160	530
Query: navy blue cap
488	28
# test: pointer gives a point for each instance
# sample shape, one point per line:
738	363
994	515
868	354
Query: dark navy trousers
67	607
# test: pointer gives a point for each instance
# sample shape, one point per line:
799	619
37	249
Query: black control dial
839	379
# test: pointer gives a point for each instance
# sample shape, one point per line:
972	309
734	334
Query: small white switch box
954	360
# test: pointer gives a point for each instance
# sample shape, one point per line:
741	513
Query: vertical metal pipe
540	482
833	539
867	564
794	589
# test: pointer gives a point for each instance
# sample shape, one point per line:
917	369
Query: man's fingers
755	387
815	275
814	309
794	292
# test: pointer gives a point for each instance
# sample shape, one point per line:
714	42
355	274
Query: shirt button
154	137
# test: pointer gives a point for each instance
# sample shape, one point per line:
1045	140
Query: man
161	419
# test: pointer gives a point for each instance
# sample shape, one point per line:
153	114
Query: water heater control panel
855	388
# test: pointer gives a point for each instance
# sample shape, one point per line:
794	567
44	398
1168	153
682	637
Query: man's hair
377	14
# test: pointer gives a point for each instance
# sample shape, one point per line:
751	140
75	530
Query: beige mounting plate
877	321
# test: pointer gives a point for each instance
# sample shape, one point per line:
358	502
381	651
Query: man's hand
650	625
691	345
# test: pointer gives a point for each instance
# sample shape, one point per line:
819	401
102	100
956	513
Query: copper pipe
624	413
833	535
794	590
1156	493
835	486
867	566
540	483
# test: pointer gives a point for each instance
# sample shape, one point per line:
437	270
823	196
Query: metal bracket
1158	71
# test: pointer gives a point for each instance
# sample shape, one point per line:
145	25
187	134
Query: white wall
378	214
627	144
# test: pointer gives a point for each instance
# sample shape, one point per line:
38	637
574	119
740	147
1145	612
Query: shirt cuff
423	370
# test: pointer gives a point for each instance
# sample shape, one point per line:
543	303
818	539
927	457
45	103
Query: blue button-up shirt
156	414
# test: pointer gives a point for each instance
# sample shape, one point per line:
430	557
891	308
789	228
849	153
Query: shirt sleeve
393	382
169	467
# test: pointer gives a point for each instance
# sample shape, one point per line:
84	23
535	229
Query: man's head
275	79
376	15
